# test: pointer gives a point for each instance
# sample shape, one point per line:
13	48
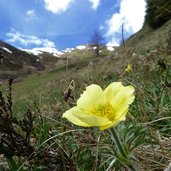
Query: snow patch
38	51
80	47
68	50
110	48
7	50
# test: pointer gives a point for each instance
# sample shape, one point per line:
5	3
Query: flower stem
118	142
121	148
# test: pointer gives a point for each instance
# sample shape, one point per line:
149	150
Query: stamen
105	110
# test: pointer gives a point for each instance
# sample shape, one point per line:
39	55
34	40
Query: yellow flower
129	68
100	108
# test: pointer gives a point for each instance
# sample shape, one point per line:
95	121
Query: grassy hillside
147	38
145	135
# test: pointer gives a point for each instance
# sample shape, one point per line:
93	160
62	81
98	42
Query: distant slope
15	59
18	62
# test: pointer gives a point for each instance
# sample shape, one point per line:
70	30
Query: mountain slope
19	62
16	62
148	38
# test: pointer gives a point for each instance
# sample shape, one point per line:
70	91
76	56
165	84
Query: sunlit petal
70	115
122	100
92	96
129	68
116	122
79	117
111	91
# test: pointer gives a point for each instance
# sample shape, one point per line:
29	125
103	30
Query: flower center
105	110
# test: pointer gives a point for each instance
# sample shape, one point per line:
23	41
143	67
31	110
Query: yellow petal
79	117
92	96
121	100
124	97
114	123
112	90
70	115
129	68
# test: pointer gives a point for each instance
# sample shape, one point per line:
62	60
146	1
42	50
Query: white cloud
111	44
95	3
30	13
57	6
131	15
26	40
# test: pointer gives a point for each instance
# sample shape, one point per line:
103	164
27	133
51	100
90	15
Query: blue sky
65	24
